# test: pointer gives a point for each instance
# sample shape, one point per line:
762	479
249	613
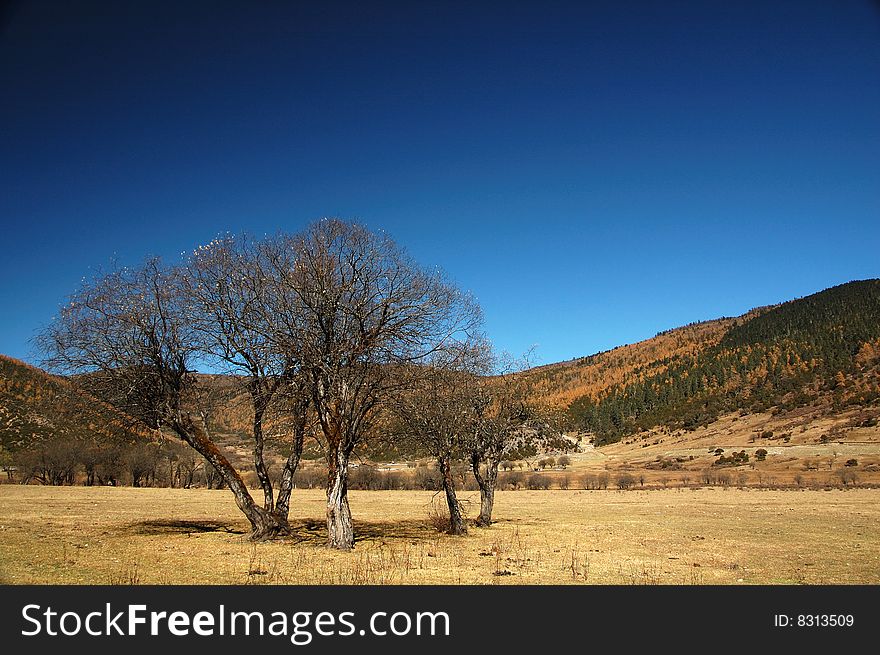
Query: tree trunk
456	521
282	506
486	481
263	524
259	461
267	525
487	502
339	525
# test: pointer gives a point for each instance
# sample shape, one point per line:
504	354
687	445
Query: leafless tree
364	309
90	457
435	412
624	481
183	462
127	337
230	289
142	460
51	462
327	318
505	423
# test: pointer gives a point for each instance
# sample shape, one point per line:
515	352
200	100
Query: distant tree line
68	461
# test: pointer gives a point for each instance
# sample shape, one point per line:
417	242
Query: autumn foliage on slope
36	406
821	349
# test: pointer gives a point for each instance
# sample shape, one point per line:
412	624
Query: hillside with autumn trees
37	407
822	350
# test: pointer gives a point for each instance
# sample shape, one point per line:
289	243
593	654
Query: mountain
820	350
36	407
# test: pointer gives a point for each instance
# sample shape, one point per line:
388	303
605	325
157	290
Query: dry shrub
537	481
513	481
438	515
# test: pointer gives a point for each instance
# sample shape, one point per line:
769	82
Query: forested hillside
821	349
36	406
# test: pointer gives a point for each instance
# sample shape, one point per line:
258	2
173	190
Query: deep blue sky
593	171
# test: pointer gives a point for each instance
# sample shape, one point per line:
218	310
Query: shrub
512	480
438	516
760	454
537	481
311	477
624	481
733	459
852	462
426	480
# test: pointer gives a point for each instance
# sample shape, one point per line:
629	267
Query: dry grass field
105	535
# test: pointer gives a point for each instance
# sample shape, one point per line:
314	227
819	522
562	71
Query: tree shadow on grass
411	530
302	531
176	526
314	532
307	531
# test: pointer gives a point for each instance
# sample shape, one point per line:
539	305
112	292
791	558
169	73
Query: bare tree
90	457
364	309
142	460
231	291
51	462
504	424
127	336
183	462
435	412
624	481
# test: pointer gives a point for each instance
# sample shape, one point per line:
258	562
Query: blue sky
593	171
